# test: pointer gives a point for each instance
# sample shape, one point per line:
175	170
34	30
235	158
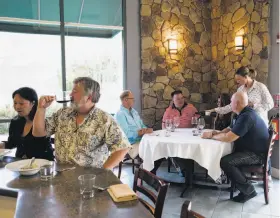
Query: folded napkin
121	192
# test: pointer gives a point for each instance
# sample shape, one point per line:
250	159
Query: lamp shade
239	43
172	46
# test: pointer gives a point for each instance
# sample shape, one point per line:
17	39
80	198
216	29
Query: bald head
239	101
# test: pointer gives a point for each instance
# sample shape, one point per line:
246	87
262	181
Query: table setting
184	143
69	190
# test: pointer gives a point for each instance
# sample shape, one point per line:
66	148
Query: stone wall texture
206	60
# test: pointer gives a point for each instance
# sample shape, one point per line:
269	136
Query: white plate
17	165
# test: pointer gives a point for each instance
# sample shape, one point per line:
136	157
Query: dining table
60	196
182	143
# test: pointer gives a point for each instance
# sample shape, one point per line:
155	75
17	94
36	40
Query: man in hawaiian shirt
84	134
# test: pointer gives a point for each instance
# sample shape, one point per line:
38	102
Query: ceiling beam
57	23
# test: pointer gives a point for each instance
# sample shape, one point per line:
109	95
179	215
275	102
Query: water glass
46	171
87	183
168	126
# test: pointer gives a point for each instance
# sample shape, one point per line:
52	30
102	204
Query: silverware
65	169
100	188
29	166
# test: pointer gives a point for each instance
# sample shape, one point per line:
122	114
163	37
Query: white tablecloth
206	152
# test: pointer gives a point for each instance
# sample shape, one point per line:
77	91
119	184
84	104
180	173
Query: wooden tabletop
60	196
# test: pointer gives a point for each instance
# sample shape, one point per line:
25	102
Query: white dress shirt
259	95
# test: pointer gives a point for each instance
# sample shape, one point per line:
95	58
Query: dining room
160	51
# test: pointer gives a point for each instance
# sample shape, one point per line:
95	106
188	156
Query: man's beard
74	106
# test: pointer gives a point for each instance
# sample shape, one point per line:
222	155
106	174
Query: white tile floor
215	203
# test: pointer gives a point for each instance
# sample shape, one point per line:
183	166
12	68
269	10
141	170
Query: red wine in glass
63	97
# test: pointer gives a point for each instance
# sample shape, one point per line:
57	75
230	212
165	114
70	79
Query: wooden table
60	196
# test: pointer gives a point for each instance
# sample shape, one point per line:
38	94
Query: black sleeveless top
29	146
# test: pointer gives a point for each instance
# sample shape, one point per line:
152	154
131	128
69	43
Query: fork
65	169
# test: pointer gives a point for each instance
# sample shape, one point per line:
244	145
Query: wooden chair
186	211
260	171
154	182
126	158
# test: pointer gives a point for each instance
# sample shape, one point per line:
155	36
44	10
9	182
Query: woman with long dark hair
20	130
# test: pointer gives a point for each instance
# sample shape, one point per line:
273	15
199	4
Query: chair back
270	144
186	211
154	182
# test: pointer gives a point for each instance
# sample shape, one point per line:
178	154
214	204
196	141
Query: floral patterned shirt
87	144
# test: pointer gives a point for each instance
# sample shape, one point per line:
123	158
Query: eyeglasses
130	98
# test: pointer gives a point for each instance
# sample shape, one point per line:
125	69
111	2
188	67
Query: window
28	60
100	59
31	50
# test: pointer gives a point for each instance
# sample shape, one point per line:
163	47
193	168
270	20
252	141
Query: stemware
200	124
63	97
194	123
176	122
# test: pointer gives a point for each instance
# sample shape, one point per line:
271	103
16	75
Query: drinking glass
194	123
87	183
168	126
63	96
200	124
46	171
176	122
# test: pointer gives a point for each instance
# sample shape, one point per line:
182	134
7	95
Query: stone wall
238	17
206	60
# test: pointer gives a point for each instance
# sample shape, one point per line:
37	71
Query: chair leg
169	164
265	187
133	166
120	169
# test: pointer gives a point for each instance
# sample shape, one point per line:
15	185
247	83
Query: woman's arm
223	110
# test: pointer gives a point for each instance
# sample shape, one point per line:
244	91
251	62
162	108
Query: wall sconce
172	46
239	44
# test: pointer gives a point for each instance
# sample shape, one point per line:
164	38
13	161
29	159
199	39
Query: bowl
17	166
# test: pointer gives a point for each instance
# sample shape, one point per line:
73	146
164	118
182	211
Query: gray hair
90	86
124	94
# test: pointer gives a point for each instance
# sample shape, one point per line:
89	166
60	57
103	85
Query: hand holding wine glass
45	101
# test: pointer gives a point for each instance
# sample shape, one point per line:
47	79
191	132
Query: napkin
121	192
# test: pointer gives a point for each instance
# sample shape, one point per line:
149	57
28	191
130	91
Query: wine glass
168	126
200	124
176	121
63	97
194	123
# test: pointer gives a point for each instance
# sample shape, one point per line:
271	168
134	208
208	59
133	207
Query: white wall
133	78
